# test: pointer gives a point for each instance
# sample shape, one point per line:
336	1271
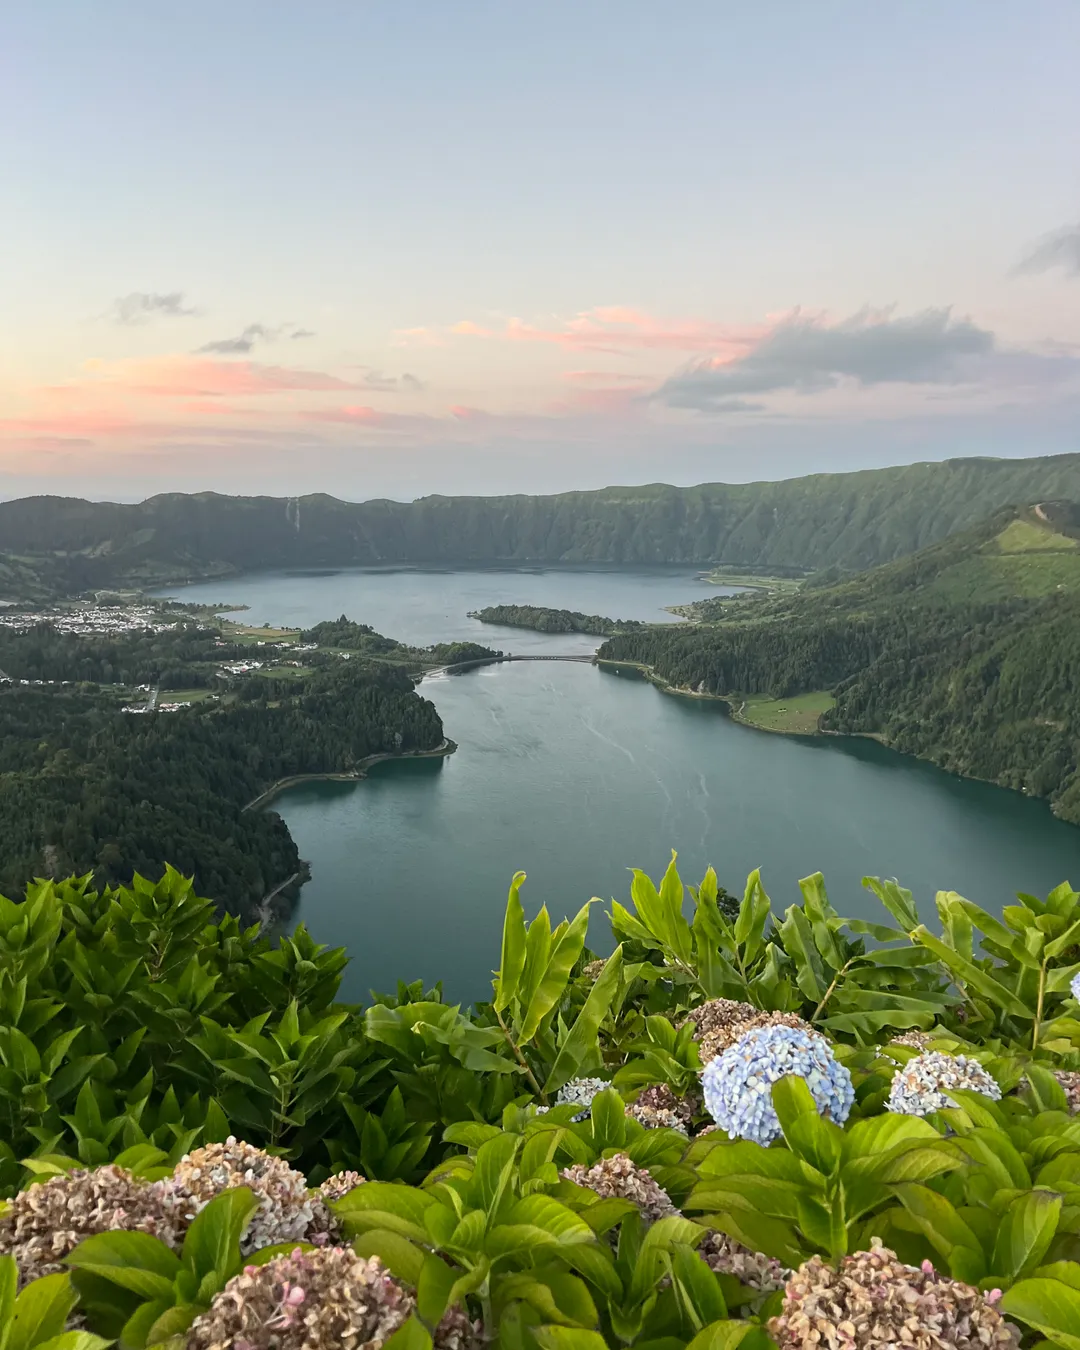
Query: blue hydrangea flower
1074	985
922	1084
738	1083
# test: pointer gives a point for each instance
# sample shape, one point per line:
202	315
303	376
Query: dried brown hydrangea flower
916	1040
330	1299
325	1227
286	1208
874	1301
720	1022
1069	1080
46	1222
618	1176
757	1271
658	1103
592	969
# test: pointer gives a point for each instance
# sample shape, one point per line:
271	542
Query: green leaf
1047	1305
434	1287
74	1340
972	975
134	1261
816	1141
723	1335
212	1243
946	1231
1025	1233
562	960
401	1257
583	1034
513	947
569	1338
41	1311
9	1282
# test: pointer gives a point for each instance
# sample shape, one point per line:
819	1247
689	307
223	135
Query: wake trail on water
606	739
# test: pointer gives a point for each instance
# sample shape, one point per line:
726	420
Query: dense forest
87	788
852	521
986	687
543	620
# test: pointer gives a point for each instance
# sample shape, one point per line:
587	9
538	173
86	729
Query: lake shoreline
665	687
357	776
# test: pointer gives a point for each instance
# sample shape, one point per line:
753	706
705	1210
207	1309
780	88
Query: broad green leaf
400	1256
212	1243
1047	1305
946	1231
1025	1234
581	1039
41	1311
134	1261
972	975
724	1335
512	962
564	955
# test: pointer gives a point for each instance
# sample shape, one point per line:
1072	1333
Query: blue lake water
574	774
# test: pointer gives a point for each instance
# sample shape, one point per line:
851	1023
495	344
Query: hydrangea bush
737	1084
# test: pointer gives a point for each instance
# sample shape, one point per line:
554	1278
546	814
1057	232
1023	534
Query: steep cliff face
852	520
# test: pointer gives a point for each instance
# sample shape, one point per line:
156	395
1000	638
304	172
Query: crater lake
575	774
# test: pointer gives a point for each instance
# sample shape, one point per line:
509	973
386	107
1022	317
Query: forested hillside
851	520
86	787
967	654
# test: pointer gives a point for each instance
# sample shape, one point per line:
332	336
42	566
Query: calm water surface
574	775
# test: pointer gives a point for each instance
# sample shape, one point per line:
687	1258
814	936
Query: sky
390	249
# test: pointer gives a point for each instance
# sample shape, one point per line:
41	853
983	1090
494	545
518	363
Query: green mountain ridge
965	654
851	521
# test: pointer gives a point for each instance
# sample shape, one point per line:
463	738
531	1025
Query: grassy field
1026	560
184	695
797	716
774	585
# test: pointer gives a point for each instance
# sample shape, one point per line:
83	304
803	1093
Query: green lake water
574	774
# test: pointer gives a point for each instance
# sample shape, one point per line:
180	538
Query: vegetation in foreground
740	1129
962	654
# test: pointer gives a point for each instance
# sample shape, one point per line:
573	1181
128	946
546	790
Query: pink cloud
618	329
201	377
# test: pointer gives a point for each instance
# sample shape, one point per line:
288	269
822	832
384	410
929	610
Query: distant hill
850	521
967	653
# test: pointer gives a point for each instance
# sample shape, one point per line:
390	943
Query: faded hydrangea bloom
324	1228
658	1104
286	1208
341	1183
922	1084
46	1222
578	1092
618	1176
725	1256
324	1300
1069	1080
592	969
915	1040
738	1083
873	1301
720	1022
1074	985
